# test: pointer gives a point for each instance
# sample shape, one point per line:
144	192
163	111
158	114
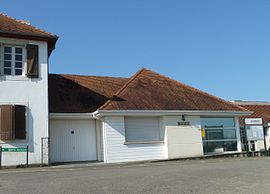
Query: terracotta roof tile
12	25
259	111
79	94
13	28
148	90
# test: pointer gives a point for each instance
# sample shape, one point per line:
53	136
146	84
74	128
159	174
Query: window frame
223	129
13	60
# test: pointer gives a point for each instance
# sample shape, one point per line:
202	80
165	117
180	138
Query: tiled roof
13	28
80	94
259	111
148	90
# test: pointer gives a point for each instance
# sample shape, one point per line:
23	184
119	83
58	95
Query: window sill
13	78
13	141
143	142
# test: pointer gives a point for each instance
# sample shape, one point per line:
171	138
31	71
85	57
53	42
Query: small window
142	129
12	60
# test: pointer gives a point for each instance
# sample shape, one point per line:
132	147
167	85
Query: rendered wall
34	94
183	141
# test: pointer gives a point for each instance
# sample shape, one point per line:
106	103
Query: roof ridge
131	79
198	90
29	25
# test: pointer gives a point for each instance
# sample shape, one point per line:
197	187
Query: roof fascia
51	40
101	113
71	116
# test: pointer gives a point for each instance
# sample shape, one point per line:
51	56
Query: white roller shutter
142	129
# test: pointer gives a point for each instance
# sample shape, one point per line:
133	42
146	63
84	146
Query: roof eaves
30	34
170	112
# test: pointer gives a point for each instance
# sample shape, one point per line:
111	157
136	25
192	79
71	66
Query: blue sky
219	46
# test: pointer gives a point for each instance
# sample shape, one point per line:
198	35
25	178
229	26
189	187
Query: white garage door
72	140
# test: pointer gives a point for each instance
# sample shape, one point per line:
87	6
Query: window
142	129
12	122
12	60
19	60
220	135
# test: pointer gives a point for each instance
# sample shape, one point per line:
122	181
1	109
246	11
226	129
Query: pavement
226	175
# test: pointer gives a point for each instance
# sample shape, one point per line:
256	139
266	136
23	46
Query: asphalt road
245	175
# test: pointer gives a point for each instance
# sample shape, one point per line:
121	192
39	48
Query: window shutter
142	129
20	124
32	61
6	122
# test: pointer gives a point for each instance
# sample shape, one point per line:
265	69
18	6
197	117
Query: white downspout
104	138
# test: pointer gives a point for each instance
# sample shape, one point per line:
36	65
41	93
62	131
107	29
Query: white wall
115	149
179	141
34	94
99	132
183	141
237	127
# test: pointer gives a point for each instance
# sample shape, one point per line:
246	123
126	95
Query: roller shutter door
72	140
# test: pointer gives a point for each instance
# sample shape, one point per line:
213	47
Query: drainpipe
97	116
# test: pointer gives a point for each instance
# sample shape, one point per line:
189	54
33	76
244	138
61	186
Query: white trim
12	60
105	154
101	113
14	78
219	140
143	142
251	102
18	42
71	116
221	153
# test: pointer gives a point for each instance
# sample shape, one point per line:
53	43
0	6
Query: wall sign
14	149
253	121
184	123
254	129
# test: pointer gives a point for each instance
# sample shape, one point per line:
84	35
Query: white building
24	52
91	118
145	117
